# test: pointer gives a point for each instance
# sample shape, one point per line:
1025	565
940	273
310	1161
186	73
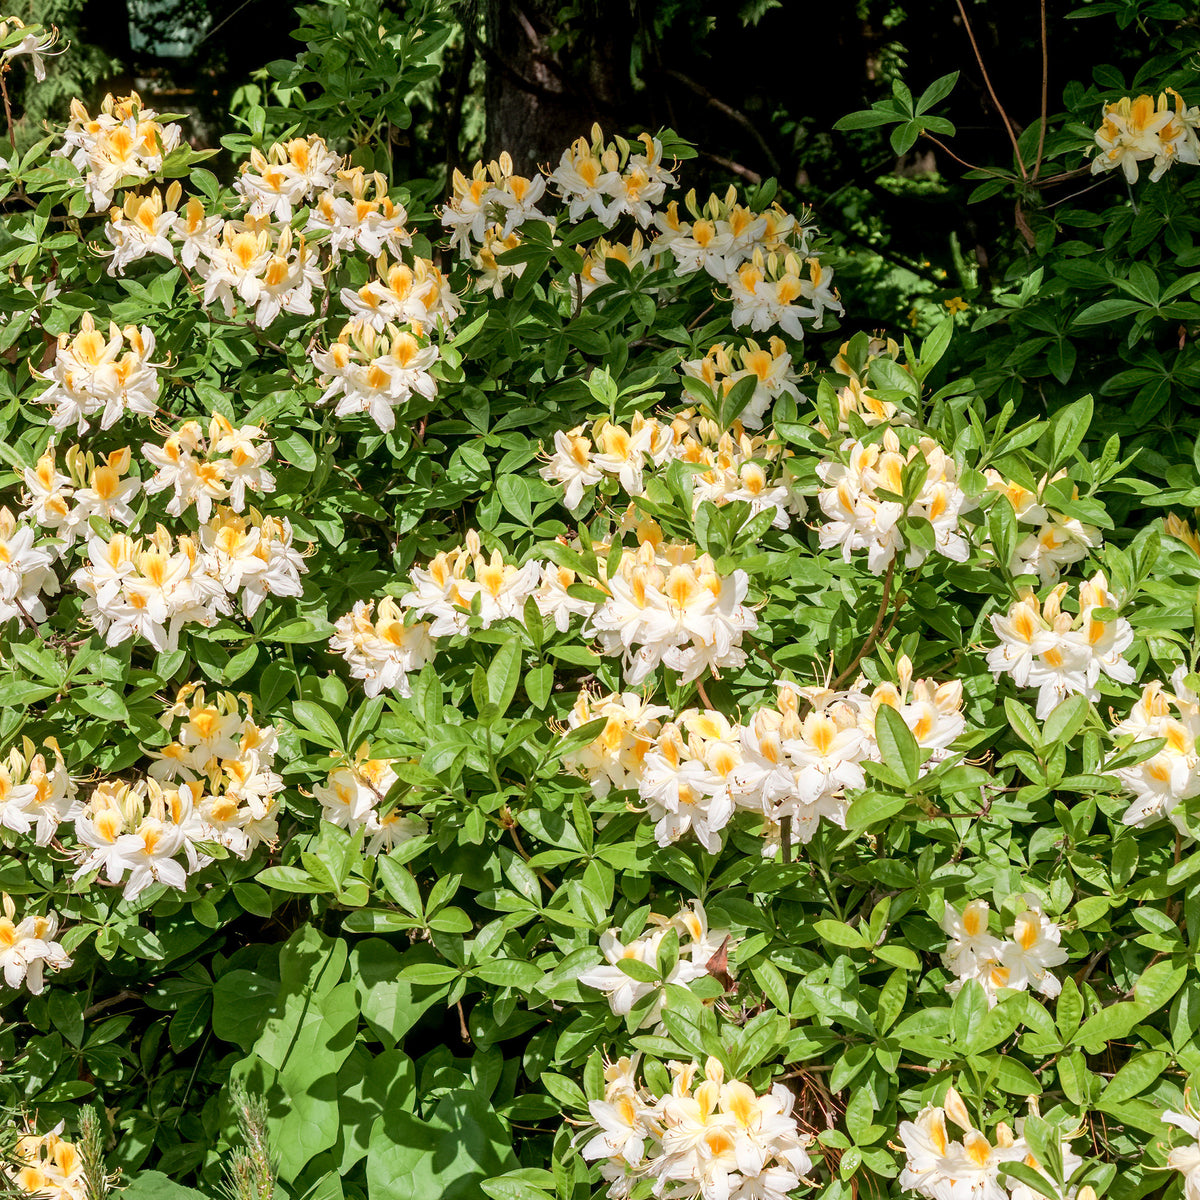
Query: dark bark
537	99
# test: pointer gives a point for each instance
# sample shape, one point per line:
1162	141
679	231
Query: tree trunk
539	100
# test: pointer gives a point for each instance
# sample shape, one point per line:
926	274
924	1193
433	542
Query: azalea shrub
521	692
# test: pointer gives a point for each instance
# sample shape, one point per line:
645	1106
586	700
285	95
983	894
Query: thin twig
1037	166
736	167
961	161
108	1002
27	617
873	636
991	90
12	132
728	110
512	829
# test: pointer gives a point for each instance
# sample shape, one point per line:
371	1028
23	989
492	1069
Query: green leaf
154	1185
317	725
897	746
503	675
448	1156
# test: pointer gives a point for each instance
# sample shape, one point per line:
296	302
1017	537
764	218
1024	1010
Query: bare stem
1008	125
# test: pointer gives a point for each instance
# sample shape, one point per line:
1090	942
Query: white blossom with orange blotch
494	195
1163	781
969	1169
270	271
782	291
1057	542
92	374
1059	653
610	180
668	606
724	233
230	759
36	795
614	758
47	1166
142	226
289	175
713	1140
353	798
358	214
26	571
375	373
134	834
770	366
863	501
854	397
1137	130
124	140
633	255
1020	962
697	945
399	294
380	648
27	948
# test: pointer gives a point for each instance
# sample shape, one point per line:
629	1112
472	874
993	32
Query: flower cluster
637	253
864	501
124	140
614	758
464	582
91	374
1058	653
609	181
941	1169
770	366
48	1167
134	832
27	948
36	795
697	946
287	177
723	234
731	465
375	372
1161	782
1138	130
668	605
709	1139
382	650
152	587
418	295
64	504
353	798
270	271
696	771
854	397
1056	543
355	219
490	273
228	759
1021	961
210	472
494	198
782	290
26	571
